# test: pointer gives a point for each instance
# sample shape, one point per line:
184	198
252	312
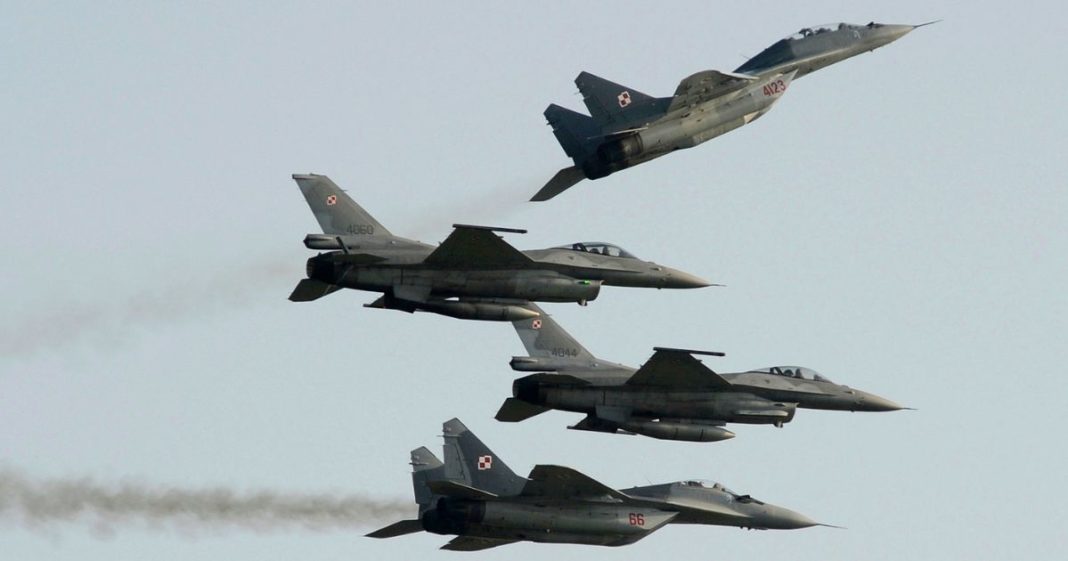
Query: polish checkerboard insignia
331	200
536	324
485	462
624	99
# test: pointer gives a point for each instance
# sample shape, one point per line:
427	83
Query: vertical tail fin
426	467
615	106
336	212
577	133
544	338
470	461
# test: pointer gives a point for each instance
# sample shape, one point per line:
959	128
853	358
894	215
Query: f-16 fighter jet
673	396
473	274
475	496
627	127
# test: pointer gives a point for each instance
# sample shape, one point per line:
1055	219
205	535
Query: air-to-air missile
626	127
673	396
476	497
473	274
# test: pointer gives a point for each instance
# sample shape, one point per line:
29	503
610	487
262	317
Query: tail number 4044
774	88
637	519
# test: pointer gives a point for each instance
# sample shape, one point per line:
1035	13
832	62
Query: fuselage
607	523
553	275
577	522
768	396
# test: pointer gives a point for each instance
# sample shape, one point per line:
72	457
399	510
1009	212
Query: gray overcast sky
897	223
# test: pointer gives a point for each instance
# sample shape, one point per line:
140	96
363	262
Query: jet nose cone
673	278
891	33
871	402
779	518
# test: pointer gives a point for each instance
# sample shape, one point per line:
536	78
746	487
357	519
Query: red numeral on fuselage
637	519
774	88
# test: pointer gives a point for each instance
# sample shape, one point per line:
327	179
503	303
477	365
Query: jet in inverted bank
627	127
673	396
473	274
476	497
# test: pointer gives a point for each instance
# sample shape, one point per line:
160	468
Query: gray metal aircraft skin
473	274
673	396
476	497
626	127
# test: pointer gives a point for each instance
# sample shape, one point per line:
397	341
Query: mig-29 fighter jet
673	396
475	496
473	274
627	127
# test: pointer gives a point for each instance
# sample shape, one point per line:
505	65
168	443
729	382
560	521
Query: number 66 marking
637	519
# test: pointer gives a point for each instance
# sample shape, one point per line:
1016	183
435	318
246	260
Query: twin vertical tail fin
615	106
578	134
469	461
336	212
426	467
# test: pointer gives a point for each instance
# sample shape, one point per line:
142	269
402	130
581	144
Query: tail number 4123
774	88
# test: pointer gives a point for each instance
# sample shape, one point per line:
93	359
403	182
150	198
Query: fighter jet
627	127
475	496
473	274
673	396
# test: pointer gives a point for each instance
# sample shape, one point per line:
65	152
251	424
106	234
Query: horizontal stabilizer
514	410
459	490
676	368
560	482
470	543
475	248
310	289
398	529
563	180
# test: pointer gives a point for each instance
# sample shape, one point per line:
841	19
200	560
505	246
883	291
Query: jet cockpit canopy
829	27
600	248
707	484
799	372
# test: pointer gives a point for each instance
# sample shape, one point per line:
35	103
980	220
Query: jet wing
706	85
560	482
470	543
677	368
459	490
476	247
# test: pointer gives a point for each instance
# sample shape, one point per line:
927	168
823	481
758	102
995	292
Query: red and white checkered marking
536	324
624	99
331	200
485	462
